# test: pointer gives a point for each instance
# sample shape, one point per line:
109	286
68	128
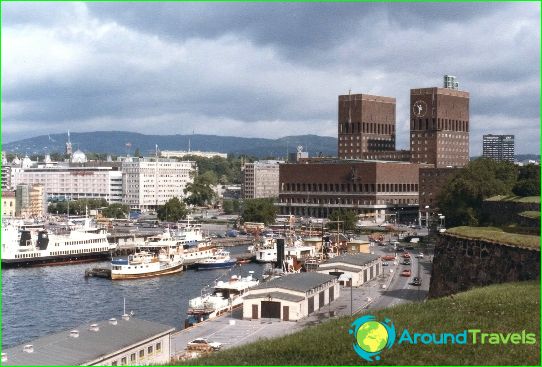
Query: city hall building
376	190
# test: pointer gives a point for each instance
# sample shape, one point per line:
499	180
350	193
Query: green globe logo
372	336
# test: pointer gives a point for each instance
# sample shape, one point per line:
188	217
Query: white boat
160	255
267	251
29	244
220	260
224	297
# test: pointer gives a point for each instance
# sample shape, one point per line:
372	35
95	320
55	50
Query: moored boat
220	260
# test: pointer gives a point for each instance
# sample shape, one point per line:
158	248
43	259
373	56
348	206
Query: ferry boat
164	254
31	244
267	251
220	260
224	297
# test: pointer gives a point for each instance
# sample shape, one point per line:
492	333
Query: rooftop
301	282
277	295
63	349
360	259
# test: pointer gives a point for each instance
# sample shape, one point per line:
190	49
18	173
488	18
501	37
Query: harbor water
44	300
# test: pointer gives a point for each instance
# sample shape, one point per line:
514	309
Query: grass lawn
503	308
497	235
530	214
519	199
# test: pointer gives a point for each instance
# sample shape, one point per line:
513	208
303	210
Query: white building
261	180
360	268
62	181
290	297
148	184
122	342
184	153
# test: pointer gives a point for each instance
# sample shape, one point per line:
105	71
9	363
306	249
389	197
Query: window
158	347
141	353
123	361
149	350
114	363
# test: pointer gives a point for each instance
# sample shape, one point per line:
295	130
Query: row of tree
461	198
81	206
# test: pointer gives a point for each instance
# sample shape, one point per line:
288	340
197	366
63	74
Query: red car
405	273
388	258
406	255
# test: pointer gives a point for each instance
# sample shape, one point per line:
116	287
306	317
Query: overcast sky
262	69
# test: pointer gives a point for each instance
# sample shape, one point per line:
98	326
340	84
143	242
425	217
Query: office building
439	126
499	147
366	123
8	204
261	180
148	183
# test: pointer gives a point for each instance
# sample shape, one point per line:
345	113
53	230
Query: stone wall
461	263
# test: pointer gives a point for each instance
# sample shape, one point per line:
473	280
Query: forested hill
121	143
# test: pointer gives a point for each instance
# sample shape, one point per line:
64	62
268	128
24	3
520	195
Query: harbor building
290	297
366	124
148	183
361	268
63	181
126	341
376	190
499	147
8	204
261	180
439	125
184	153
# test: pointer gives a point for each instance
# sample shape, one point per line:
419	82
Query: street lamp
344	278
427	216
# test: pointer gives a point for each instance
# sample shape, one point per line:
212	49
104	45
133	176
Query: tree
77	207
173	210
461	198
349	218
259	210
201	192
227	206
116	210
528	181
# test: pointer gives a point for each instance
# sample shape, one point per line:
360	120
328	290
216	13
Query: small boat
243	261
220	260
224	297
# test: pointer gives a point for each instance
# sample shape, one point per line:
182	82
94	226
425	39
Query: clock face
419	108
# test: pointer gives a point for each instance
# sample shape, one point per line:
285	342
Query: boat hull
55	260
171	270
211	266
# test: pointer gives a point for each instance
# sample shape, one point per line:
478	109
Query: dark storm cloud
261	69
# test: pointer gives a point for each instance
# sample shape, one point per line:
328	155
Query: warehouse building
360	267
127	341
290	297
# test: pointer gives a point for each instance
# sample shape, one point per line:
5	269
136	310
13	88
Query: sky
262	69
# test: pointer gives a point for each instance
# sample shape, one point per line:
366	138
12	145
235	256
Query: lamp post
427	217
346	277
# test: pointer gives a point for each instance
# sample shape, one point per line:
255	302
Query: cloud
261	69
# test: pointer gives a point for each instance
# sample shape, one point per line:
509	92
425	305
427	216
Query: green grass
530	214
503	308
497	235
518	199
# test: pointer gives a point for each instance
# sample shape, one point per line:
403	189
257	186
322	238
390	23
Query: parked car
385	264
420	255
406	255
406	273
203	345
388	257
406	262
416	281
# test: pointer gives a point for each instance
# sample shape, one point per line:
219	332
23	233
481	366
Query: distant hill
115	142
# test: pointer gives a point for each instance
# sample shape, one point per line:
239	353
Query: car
203	344
400	249
388	257
416	281
406	262
406	273
406	255
409	247
420	255
385	264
